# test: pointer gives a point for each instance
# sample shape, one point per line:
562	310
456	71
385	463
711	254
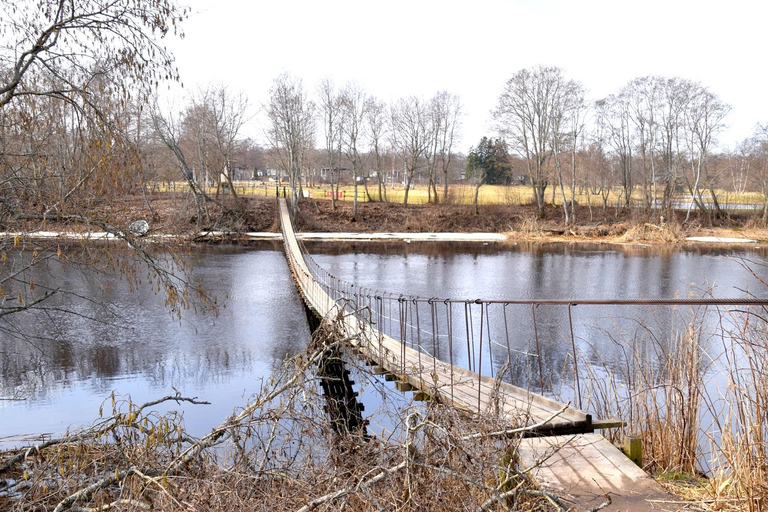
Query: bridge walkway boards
577	464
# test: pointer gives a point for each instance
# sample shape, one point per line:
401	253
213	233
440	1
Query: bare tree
620	137
167	128
410	136
740	174
756	151
674	98
376	115
354	104
538	111
567	113
445	114
430	155
704	116
291	113
228	113
600	145
644	100
203	138
330	113
525	115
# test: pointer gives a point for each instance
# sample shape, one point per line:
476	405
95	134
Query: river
61	371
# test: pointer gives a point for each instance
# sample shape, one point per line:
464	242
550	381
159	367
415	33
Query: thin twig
515	431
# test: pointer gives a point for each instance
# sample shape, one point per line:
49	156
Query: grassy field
461	194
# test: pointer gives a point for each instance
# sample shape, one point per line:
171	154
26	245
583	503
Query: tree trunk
407	188
354	200
445	186
333	192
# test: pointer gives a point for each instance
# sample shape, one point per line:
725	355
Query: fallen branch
351	490
516	431
99	429
87	492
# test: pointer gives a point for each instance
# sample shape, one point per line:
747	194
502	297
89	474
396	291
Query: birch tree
704	116
567	112
601	136
354	103
644	100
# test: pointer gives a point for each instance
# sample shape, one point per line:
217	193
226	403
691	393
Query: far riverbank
173	215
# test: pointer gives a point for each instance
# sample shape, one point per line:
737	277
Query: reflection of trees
122	334
545	271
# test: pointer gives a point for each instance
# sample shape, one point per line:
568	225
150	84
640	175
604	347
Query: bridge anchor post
633	448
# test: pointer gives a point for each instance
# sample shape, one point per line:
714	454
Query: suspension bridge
459	352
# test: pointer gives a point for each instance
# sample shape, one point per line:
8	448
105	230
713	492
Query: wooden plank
404	386
466	388
584	468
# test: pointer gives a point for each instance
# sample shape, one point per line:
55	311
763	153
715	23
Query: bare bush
278	452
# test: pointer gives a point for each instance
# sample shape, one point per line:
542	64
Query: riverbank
519	223
173	215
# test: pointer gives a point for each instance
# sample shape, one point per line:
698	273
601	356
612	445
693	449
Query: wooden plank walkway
583	466
583	469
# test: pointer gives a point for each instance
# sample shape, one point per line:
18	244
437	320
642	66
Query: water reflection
541	343
540	270
64	365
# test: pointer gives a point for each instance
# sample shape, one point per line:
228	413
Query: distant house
326	173
243	174
271	175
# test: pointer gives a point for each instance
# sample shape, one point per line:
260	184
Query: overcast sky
397	48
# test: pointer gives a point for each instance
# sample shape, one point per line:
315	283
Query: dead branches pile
279	452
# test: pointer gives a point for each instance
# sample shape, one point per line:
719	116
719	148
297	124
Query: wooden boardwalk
576	463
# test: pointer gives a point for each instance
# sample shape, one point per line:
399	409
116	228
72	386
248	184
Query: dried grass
665	391
279	452
663	233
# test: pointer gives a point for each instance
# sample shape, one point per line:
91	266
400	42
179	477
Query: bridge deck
585	466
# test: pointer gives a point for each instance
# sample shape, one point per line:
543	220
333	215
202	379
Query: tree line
361	136
655	137
653	144
81	124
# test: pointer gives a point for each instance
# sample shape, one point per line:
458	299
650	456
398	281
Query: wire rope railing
534	344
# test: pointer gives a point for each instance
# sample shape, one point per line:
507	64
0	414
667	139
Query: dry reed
698	398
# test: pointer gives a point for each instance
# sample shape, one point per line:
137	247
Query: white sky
398	48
